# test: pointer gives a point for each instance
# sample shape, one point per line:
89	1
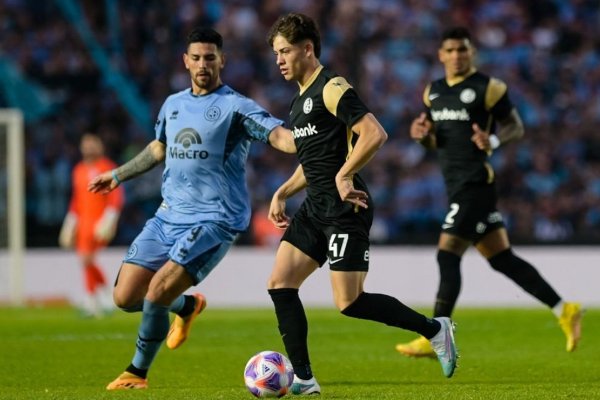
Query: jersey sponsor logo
308	105
187	138
306	131
450	115
174	114
467	95
494	217
212	113
433	96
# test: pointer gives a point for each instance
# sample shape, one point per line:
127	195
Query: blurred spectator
548	49
264	233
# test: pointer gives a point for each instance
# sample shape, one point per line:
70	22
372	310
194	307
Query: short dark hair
296	27
456	32
205	35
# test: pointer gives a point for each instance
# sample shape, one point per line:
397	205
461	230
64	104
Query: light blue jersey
207	140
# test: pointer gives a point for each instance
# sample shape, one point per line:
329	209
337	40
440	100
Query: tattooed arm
152	155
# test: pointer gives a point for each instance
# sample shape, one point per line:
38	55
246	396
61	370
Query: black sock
390	311
189	302
293	328
525	275
137	371
450	283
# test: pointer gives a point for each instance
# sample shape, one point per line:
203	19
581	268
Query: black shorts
344	243
472	213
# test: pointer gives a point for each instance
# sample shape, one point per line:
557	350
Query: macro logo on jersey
306	131
308	105
185	141
450	115
467	96
212	113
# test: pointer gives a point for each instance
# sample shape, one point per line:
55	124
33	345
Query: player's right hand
103	183
277	213
420	127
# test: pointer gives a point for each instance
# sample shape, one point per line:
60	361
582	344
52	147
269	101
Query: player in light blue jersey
203	135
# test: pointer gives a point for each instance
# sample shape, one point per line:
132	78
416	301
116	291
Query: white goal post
12	189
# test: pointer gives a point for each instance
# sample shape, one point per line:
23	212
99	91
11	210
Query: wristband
494	142
114	175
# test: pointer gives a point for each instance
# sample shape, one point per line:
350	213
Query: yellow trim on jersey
349	135
426	96
494	92
459	79
333	92
490	171
310	80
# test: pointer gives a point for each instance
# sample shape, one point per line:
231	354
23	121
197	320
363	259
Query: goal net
12	206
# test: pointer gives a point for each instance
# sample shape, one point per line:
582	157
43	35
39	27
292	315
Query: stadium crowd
548	51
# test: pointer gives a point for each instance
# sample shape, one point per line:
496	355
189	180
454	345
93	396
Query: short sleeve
341	100
159	126
497	100
257	122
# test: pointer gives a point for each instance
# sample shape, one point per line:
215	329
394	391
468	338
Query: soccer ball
268	374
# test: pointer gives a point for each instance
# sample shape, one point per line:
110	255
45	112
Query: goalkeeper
91	222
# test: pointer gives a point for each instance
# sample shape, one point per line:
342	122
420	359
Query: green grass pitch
51	353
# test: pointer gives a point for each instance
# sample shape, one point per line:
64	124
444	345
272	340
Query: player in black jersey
462	111
335	136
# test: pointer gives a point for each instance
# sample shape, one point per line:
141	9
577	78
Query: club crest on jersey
480	228
212	113
467	95
132	251
308	104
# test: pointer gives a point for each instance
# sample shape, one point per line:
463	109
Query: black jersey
321	119
454	108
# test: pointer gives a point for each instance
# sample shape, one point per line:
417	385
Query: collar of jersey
459	79
310	80
206	94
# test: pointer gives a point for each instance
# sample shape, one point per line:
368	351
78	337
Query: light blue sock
152	332
176	306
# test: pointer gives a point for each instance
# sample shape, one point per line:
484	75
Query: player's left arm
282	139
371	136
342	101
502	110
511	127
262	126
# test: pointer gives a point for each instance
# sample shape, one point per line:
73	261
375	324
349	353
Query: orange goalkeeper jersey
89	207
